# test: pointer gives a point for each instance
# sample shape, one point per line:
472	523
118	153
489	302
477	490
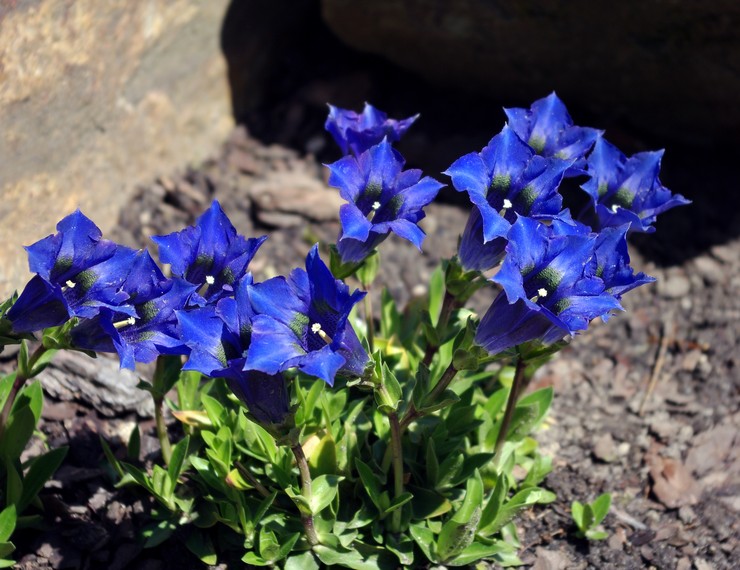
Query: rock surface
94	98
669	67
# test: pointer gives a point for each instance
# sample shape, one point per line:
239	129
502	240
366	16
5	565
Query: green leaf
33	394
43	361
133	449
524	499
177	460
577	512
110	457
18	432
495	501
39	472
390	319
367	272
594	534
5	549
323	459
14	484
478	551
458	532
155	534
214	409
436	293
600	507
449	469
304	561
398	502
372	485
424	538
432	464
23	360
428	504
540	468
402	546
7	523
200	544
323	490
166	373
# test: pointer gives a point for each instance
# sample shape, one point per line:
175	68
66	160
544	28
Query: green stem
20	380
449	304
517	387
244	472
397	451
444	382
369	319
164	440
306	518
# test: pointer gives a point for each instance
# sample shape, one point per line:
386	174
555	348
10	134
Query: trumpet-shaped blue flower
210	254
545	274
627	190
78	273
381	197
548	129
152	330
218	337
302	322
504	180
357	132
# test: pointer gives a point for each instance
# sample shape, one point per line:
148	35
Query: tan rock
96	97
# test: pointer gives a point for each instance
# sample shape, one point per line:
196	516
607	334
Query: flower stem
397	451
306	518
517	387
444	382
449	304
244	472
20	380
369	320
164	440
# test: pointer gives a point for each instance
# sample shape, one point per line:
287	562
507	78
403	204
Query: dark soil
673	470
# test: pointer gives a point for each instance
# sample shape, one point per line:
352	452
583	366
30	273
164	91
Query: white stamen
210	279
542	292
614	209
376	205
316	328
128	322
71	284
507	204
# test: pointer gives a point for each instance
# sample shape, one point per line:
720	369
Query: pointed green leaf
600	507
39	472
7	523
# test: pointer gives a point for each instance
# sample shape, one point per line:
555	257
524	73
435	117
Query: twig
665	340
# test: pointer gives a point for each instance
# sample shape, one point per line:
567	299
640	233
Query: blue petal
506	155
323	364
40	305
346	175
469	174
354	223
409	231
202	330
273	345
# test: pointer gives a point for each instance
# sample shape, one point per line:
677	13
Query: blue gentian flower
613	262
545	274
210	254
627	190
381	198
303	322
358	132
504	180
152	330
218	337
78	273
548	129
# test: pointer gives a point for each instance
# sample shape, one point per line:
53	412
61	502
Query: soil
673	468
